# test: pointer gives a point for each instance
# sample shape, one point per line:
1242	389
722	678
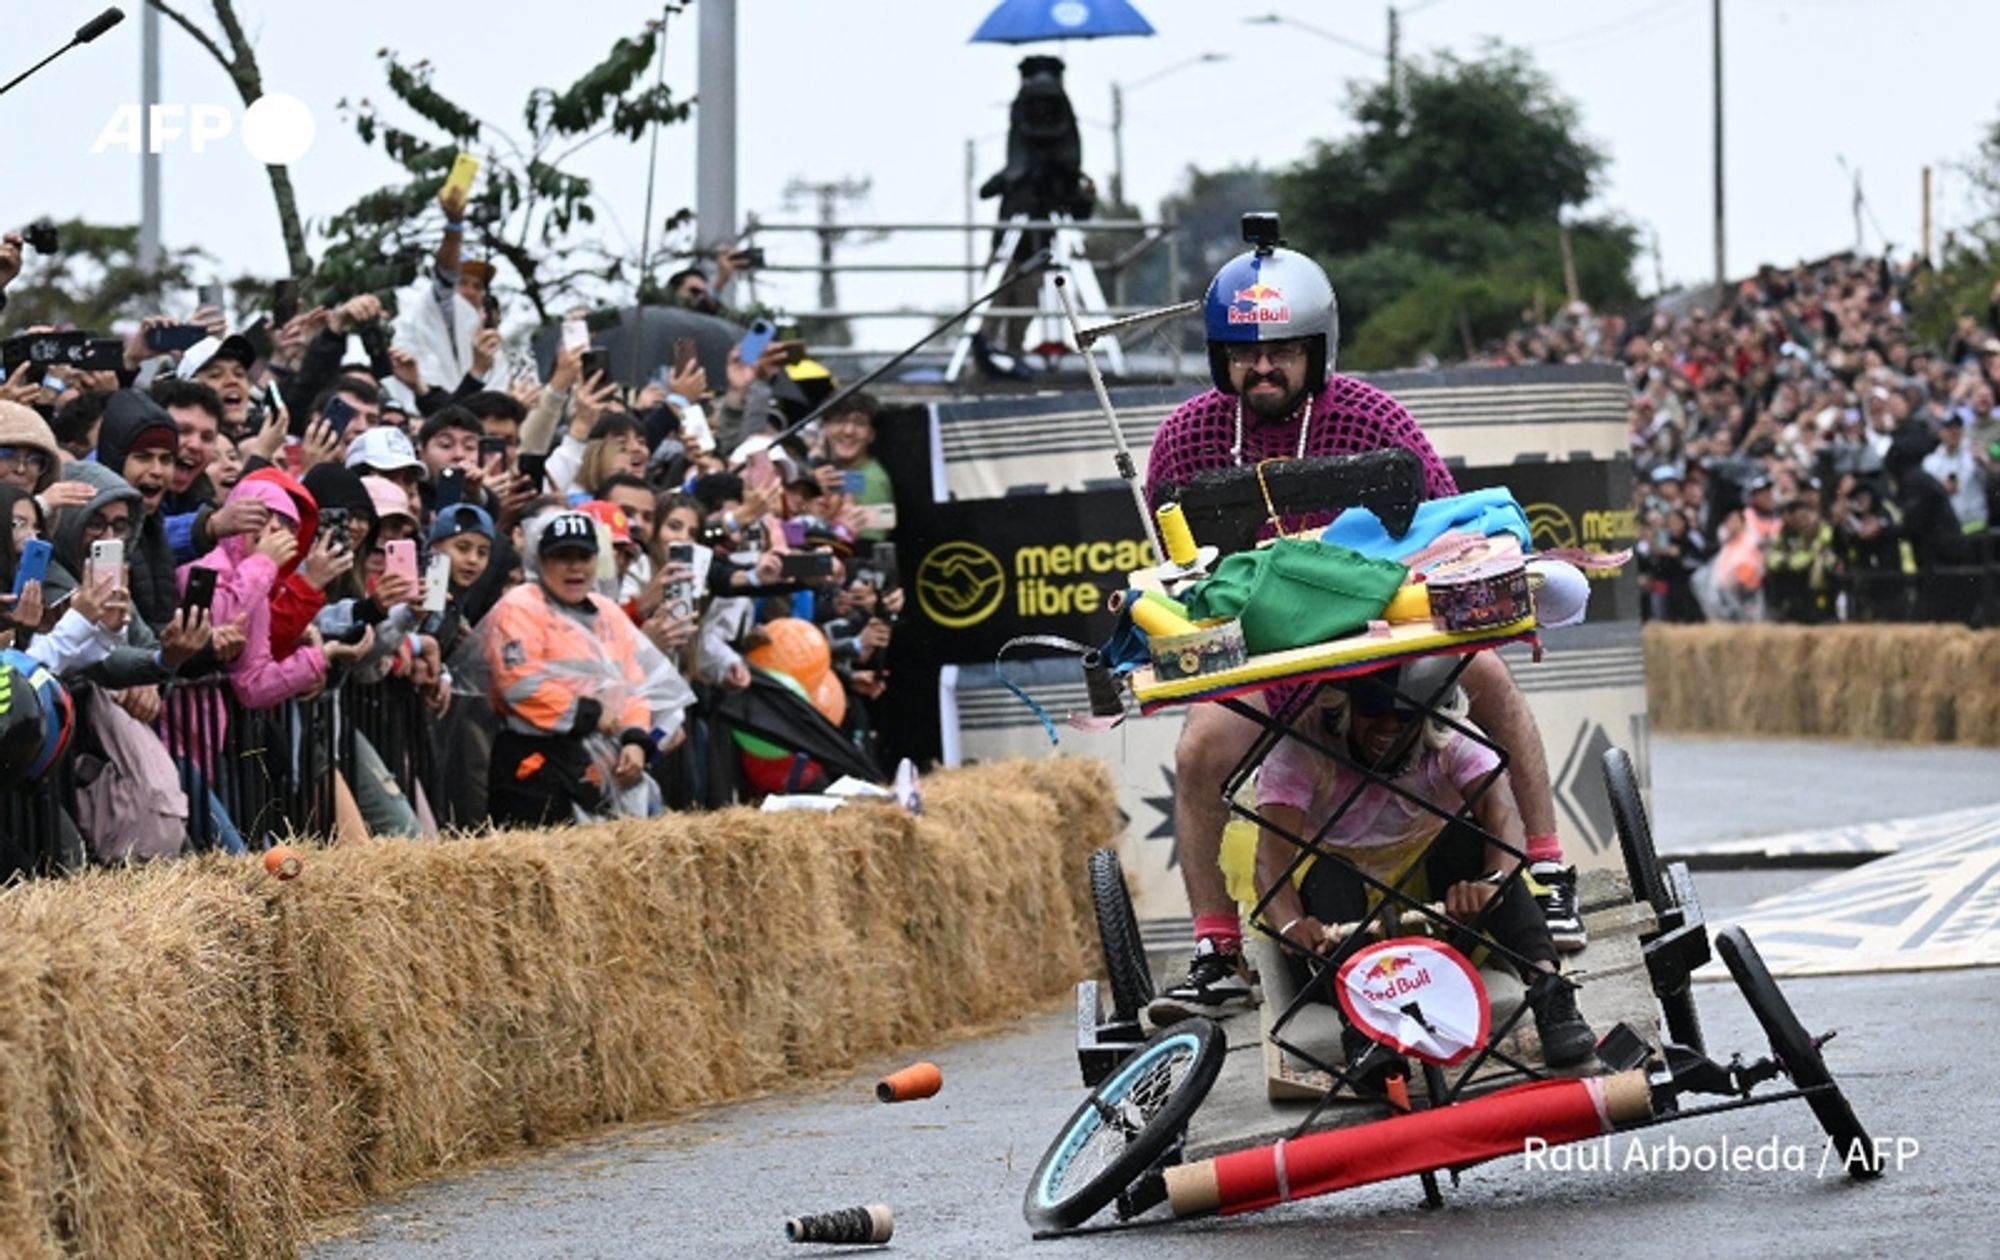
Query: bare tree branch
249	81
200	36
240	64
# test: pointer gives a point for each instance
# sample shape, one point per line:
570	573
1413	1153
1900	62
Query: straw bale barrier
1890	683
196	1060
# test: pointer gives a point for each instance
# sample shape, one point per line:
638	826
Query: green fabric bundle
1297	591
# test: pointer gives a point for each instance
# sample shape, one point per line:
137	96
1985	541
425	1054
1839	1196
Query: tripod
1066	257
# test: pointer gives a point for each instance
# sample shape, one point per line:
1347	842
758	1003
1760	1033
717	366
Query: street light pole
1117	145
1118	116
1721	267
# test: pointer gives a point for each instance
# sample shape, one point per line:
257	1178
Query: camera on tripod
42	237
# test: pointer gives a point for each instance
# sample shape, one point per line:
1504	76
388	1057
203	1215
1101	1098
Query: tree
95	279
1968	257
1443	215
240	64
526	204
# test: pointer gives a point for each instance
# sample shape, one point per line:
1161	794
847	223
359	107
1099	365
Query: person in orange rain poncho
568	684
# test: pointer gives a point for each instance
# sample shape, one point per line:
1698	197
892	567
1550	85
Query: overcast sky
892	91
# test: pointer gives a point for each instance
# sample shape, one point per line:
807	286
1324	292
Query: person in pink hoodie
251	571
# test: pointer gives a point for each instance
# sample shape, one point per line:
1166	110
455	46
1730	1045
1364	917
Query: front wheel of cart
1126	1124
1798	1053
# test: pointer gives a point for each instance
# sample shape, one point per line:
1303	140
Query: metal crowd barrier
270	771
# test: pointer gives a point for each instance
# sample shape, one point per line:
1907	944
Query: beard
1272	406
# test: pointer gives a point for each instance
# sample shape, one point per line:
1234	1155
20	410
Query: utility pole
1117	145
829	194
149	157
1860	244
1927	214
971	236
1659	268
715	126
1721	267
1395	82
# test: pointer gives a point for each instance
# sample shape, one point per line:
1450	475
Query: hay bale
203	1059
1894	683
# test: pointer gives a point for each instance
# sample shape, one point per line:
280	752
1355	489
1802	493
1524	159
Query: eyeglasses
24	527
27	460
100	525
1282	354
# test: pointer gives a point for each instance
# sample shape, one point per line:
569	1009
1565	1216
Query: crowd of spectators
551	578
1801	454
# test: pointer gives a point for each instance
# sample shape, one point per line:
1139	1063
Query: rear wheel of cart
1125	963
1664	890
1635	832
1798	1053
1126	1125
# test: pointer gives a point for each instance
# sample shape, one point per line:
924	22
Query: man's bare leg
1211	743
1499	709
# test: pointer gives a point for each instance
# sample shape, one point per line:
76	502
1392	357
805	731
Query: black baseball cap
568	531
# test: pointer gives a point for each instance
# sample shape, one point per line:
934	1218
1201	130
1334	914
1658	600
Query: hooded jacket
129	414
294	601
246	582
556	669
20	427
135	662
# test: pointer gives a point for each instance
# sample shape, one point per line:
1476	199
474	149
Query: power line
1624	25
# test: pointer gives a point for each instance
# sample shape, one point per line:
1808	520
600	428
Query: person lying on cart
1384	835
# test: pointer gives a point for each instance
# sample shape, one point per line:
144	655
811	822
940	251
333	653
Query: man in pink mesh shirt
1273	328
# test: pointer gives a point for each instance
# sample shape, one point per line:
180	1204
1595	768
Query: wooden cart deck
1264	1093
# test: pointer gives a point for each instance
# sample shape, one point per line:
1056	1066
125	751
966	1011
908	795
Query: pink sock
1224	929
1547	847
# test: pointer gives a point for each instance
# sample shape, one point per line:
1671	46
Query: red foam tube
1449	1137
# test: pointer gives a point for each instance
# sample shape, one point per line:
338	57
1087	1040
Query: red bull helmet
1271	294
36	718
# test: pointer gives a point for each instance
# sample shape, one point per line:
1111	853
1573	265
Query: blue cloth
180	536
1482	512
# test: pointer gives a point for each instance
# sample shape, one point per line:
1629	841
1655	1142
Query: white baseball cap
385	450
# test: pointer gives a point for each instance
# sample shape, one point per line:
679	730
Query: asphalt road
721	1182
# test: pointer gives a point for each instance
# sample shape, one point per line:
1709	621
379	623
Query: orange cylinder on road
919	1080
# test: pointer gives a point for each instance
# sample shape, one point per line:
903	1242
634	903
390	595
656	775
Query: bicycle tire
1125	965
1158	1086
1683	1020
1795	1050
1635	832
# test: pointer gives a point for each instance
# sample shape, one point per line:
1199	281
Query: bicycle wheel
1635	833
1797	1052
1126	1124
1118	933
1677	1003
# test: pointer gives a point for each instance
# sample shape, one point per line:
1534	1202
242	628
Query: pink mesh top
1349	417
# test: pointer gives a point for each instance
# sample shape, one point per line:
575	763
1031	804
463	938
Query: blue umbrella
1031	21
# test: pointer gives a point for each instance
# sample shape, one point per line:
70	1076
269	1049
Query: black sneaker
1554	886
1566	1038
1215	986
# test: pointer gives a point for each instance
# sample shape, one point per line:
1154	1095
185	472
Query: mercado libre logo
1602	529
960	584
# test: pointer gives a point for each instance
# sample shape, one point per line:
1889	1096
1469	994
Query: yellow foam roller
1411	603
1155	618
